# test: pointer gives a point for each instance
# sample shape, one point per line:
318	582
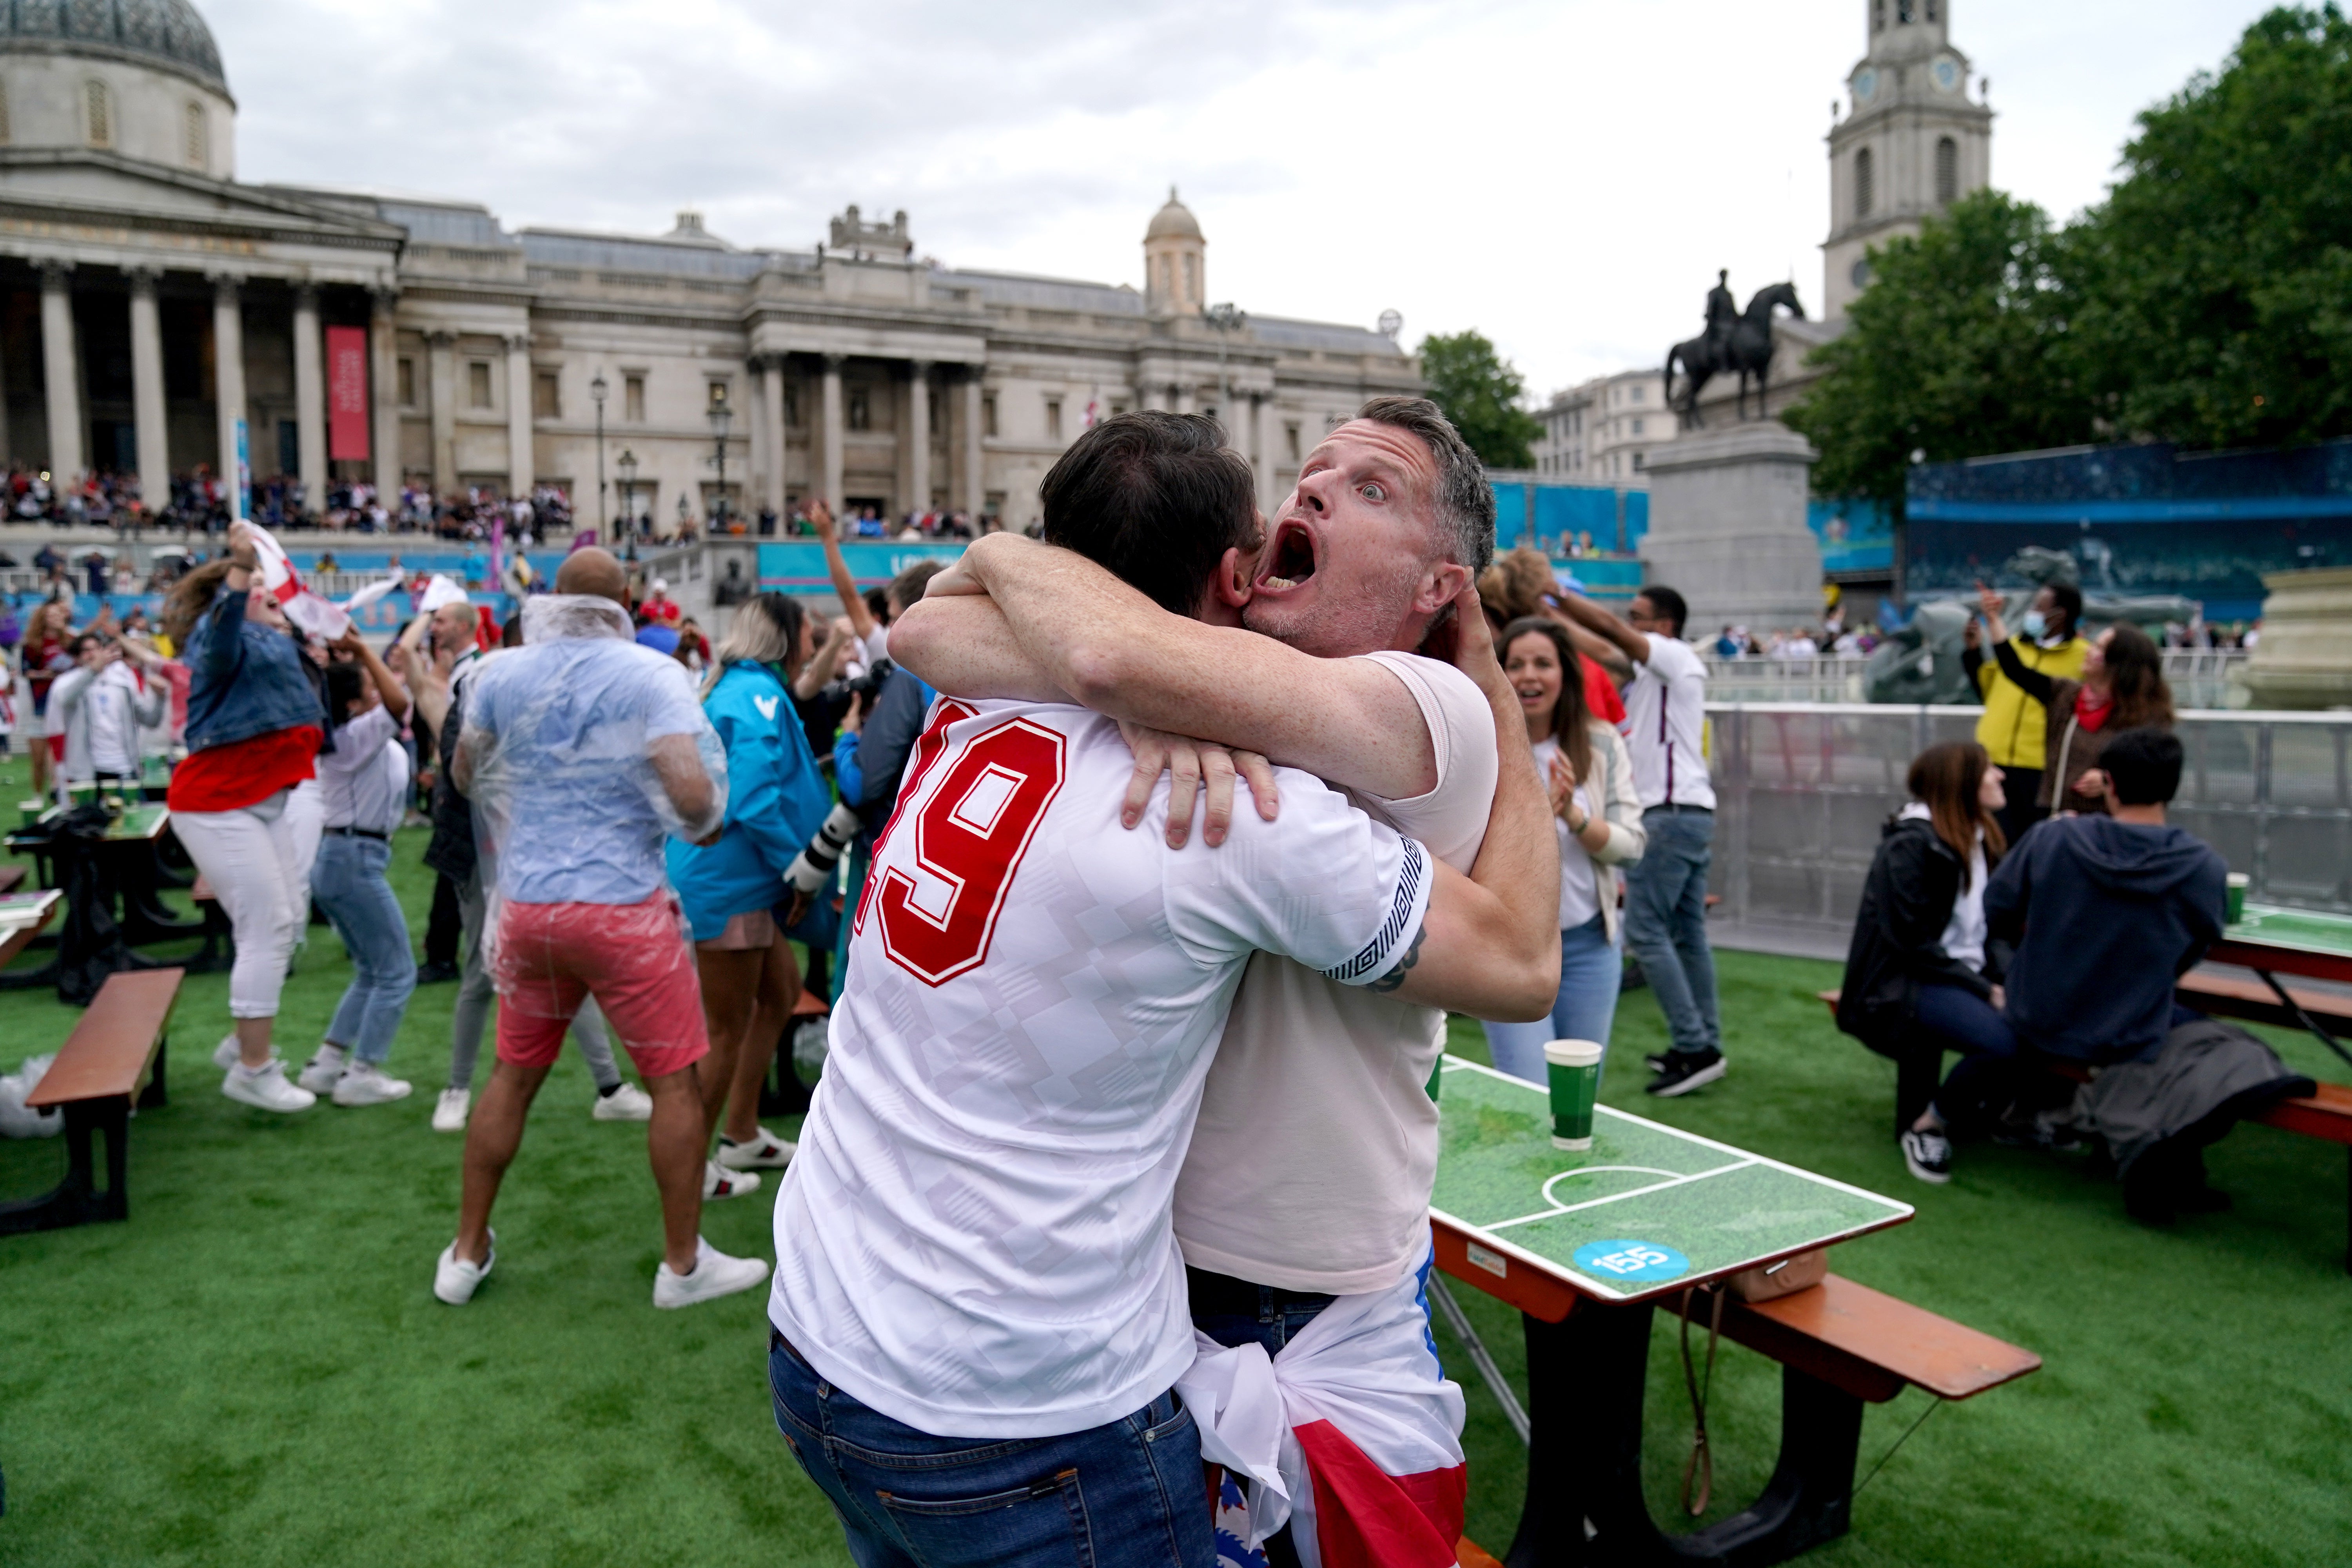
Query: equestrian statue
1734	340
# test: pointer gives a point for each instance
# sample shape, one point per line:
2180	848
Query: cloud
1565	175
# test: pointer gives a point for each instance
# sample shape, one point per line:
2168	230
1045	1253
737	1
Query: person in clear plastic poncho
581	752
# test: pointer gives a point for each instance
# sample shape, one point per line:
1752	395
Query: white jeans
254	863
306	813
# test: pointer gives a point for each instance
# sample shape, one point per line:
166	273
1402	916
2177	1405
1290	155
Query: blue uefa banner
798	568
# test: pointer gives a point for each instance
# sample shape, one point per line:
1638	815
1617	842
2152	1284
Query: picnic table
1586	1244
129	845
2272	942
24	916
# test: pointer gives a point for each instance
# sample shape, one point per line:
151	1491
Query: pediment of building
94	190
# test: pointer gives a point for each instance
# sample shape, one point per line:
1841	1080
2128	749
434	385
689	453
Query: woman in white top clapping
1598	820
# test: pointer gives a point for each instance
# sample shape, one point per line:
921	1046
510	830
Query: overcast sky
1565	175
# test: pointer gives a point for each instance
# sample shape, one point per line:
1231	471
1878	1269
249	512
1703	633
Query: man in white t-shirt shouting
1310	1170
1666	890
979	1306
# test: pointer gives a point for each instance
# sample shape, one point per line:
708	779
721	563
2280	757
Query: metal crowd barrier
1803	790
2199	677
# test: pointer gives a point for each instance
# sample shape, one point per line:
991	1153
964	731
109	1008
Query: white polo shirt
1666	726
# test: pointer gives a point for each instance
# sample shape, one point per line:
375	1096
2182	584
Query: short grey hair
1465	501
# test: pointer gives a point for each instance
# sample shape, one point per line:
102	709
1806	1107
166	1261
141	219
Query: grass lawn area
253	1370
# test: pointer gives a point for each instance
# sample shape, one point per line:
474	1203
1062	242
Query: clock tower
1911	143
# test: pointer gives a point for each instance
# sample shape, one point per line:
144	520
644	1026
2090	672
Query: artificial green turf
253	1369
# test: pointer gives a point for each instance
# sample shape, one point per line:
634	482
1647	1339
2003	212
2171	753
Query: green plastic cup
2238	883
1574	1068
83	793
30	810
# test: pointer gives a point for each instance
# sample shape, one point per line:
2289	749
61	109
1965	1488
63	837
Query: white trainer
627	1104
449	1111
326	1070
714	1275
764	1151
266	1088
368	1084
719	1182
455	1280
225	1054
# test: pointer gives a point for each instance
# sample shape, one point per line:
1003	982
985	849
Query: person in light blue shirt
776	802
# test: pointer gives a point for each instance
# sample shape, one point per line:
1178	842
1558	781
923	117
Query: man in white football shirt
980	1305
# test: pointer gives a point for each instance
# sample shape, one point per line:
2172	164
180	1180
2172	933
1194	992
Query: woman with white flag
255	727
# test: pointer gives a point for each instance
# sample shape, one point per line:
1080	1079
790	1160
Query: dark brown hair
1945	779
190	597
1571	720
1155	498
2136	679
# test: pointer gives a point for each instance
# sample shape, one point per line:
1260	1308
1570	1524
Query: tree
1959	347
2215	283
1480	392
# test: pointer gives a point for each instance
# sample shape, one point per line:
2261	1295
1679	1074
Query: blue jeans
1589	969
1984	1080
348	881
1122	1495
1665	924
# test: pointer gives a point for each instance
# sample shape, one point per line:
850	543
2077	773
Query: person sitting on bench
2106	913
1920	972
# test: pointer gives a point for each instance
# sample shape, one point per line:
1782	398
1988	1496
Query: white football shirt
974	1236
1666	726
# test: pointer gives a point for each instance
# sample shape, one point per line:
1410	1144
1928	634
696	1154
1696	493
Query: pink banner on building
347	393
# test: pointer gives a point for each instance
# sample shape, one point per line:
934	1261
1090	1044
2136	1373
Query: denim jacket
244	680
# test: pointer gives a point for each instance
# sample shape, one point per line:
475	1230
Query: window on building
4	134
1290	441
1904	11
101	110
1878	15
988	415
1640	392
1947	171
405	383
1931	12
193	120
1862	183
1637	462
1053	419
793	404
1118	407
861	409
1637	426
478	383
546	395
633	399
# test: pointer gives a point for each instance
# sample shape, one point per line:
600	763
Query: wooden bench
2227	996
114	1056
12	877
1871	1345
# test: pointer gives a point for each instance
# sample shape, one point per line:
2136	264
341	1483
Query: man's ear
1443	585
1234	575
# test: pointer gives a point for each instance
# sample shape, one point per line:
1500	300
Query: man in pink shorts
582	752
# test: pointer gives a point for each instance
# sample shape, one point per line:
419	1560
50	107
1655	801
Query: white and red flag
319	616
1352	1435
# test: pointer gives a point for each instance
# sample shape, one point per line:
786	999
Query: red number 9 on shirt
969	837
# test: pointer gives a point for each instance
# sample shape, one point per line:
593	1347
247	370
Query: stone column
1180	398
309	400
147	391
771	414
384	387
974	496
919	436
523	463
228	388
61	373
832	434
441	353
1269	485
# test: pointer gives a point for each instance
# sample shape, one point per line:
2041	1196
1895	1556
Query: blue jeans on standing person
1665	923
348	881
1122	1495
1589	969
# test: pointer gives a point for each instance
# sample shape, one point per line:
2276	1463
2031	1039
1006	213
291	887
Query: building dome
1174	221
166	33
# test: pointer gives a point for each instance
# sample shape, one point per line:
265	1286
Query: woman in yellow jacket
2014	725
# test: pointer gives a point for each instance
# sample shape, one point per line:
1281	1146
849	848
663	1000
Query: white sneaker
719	1182
326	1070
455	1281
763	1151
627	1104
225	1054
368	1084
714	1275
449	1111
266	1088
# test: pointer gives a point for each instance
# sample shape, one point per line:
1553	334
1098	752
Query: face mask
2034	624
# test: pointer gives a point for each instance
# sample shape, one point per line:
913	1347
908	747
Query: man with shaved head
582	752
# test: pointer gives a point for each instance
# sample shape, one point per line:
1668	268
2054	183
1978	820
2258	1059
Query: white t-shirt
364	782
1580	896
1316	1147
974	1235
1665	725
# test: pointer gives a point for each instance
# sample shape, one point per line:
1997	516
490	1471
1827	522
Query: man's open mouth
1290	560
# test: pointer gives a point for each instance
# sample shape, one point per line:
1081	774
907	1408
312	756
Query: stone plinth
1727	528
2304	657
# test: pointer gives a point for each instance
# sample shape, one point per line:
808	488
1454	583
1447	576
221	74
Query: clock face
1865	86
1861	273
1946	72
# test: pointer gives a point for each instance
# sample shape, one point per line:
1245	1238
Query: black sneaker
1929	1156
1660	1062
1685	1072
435	973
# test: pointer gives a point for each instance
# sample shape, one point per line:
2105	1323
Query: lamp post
596	392
629	466
720	416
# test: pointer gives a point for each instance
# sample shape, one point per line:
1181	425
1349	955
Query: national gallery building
156	315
